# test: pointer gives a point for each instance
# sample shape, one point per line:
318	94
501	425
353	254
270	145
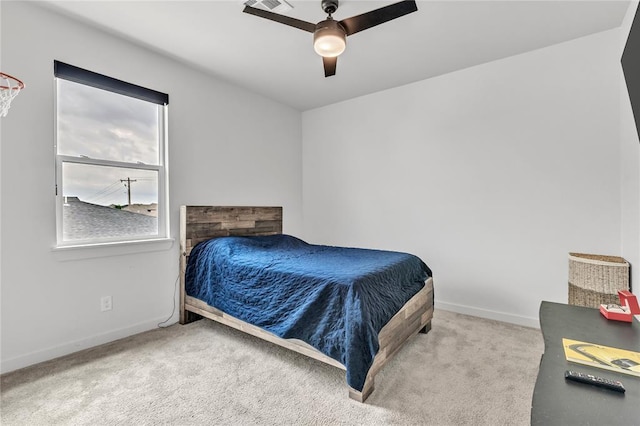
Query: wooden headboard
201	223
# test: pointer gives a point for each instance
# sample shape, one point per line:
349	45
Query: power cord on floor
173	310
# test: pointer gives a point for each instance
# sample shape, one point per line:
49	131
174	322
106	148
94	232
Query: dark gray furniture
559	402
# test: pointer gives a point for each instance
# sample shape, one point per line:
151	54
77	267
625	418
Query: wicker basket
595	279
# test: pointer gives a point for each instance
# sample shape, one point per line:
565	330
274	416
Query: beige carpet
465	371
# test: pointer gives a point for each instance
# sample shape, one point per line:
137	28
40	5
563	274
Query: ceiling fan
329	36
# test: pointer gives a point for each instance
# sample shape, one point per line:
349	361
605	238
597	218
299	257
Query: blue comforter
334	298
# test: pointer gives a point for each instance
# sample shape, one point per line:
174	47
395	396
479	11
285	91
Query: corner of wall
630	158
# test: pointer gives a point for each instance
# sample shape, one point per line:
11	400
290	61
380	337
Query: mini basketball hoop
9	89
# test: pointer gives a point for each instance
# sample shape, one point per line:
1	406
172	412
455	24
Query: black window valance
90	78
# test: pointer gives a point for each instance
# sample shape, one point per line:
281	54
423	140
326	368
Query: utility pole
128	185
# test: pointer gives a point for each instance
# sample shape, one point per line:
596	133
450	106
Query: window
111	176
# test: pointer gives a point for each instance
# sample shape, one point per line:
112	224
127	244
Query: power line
103	191
114	188
113	191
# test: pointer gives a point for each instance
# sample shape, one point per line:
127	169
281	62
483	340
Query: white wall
630	168
227	146
491	174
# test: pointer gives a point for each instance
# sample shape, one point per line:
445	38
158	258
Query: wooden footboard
205	222
414	316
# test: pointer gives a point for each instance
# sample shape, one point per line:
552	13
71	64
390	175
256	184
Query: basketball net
9	89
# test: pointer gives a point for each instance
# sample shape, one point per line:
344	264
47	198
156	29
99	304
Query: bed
362	354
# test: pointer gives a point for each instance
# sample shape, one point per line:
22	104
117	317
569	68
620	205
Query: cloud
103	125
105	185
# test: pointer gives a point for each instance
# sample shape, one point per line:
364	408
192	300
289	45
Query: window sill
88	251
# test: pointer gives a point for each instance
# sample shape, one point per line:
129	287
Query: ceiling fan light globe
329	39
329	46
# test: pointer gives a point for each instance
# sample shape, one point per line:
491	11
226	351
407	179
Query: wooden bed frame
200	223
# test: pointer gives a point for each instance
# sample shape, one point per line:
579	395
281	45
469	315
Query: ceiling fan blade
379	16
292	22
329	66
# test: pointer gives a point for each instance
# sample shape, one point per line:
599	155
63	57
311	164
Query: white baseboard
32	358
36	357
485	313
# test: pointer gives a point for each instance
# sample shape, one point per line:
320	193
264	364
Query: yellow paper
605	357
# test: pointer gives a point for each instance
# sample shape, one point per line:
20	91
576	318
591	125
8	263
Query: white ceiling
279	61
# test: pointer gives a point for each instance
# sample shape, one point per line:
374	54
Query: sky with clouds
103	125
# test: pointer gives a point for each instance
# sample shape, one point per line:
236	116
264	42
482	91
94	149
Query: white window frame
161	168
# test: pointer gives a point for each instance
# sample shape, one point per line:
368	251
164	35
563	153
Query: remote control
590	379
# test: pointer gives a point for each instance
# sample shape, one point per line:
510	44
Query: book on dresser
600	356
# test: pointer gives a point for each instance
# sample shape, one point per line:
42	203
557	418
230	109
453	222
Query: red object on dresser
625	311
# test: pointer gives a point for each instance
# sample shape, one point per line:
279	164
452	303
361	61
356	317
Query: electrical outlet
106	303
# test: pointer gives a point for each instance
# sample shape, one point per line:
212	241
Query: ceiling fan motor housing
330	38
329	6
